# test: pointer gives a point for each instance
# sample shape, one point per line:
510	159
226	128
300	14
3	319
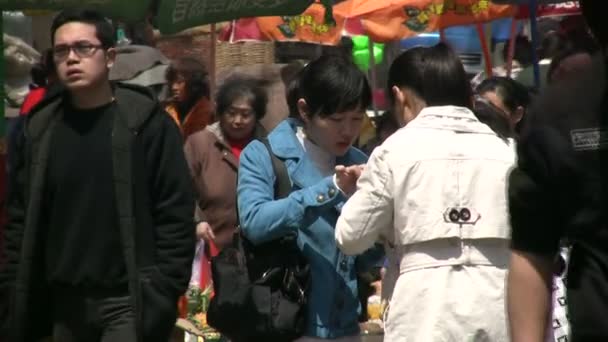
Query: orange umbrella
397	19
356	8
310	27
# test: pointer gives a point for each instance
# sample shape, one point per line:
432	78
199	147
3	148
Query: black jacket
155	201
559	191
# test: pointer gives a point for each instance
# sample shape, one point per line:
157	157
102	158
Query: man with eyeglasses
101	235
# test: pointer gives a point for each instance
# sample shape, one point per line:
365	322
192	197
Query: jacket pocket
158	309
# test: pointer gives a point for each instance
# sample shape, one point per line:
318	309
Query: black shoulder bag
261	290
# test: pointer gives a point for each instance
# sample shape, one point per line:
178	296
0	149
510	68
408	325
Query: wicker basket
229	55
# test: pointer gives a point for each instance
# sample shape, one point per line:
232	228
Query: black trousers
84	315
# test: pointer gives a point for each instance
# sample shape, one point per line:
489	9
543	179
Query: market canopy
128	10
389	20
310	26
173	16
177	15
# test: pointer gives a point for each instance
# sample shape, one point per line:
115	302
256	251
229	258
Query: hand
347	176
205	232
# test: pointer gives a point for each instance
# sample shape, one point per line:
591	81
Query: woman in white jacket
436	189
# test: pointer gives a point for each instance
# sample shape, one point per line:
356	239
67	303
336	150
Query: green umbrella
177	15
128	10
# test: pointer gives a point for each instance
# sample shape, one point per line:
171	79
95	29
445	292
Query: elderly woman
437	190
189	104
213	155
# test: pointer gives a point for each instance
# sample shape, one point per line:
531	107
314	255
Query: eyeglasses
81	49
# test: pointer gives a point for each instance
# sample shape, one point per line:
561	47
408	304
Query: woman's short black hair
103	27
436	74
512	93
330	84
194	73
237	87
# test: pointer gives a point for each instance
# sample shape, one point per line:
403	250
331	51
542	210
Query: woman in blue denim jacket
327	103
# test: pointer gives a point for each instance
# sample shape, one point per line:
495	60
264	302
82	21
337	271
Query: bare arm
529	286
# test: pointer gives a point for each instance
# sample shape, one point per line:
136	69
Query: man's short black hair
104	29
436	74
330	84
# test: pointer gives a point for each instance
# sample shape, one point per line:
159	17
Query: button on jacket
312	210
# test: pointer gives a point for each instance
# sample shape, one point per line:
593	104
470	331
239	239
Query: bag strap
282	185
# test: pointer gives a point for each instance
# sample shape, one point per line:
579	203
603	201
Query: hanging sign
564	9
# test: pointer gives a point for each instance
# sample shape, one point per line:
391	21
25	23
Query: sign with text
178	15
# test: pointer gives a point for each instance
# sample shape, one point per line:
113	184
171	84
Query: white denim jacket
442	176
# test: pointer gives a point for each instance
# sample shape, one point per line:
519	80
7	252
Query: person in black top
559	192
100	238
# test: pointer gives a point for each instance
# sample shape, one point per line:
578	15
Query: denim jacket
312	209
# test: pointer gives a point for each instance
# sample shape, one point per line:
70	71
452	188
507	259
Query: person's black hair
330	84
551	45
49	62
290	71
522	53
594	12
103	28
512	94
346	47
237	87
386	121
436	74
493	117
195	74
38	74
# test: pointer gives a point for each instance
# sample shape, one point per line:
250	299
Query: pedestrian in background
189	104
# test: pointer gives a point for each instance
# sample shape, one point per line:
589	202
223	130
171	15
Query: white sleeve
369	212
